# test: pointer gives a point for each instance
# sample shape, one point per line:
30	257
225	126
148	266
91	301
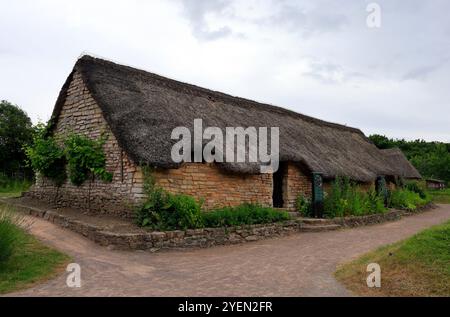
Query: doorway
277	194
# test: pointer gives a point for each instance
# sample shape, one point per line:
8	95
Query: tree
381	141
15	132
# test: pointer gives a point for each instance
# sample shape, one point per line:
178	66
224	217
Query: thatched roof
142	109
400	163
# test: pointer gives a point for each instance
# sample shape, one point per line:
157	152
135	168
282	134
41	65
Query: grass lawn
30	262
418	266
440	196
10	194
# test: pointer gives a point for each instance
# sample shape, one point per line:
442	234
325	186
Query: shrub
47	158
406	199
375	202
348	199
9	233
85	157
165	211
417	188
245	214
303	206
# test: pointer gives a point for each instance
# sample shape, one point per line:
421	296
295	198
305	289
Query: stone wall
298	181
217	187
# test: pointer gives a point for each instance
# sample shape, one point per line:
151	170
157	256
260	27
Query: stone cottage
138	110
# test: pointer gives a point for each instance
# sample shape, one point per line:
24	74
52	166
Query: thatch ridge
142	108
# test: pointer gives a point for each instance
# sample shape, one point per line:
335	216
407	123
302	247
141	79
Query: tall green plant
85	157
46	156
165	211
9	233
348	199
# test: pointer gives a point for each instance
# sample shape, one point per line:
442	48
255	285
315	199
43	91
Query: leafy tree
15	133
45	156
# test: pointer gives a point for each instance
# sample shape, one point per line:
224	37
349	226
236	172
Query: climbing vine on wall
85	158
82	157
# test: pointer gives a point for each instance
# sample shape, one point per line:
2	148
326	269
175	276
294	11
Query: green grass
418	266
10	194
24	260
13	188
440	196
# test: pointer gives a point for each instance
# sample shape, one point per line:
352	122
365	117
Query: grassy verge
419	266
24	260
440	196
10	194
13	188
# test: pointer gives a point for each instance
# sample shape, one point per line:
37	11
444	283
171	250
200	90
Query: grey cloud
423	72
196	10
306	22
329	73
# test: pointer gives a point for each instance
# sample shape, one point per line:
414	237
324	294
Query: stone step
320	228
293	214
316	221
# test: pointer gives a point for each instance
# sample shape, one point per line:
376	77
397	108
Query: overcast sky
316	57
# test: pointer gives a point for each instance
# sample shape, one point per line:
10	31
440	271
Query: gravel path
297	265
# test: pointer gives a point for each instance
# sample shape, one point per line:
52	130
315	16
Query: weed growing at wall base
346	198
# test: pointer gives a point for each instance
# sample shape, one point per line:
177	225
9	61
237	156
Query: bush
164	211
181	212
348	199
246	214
9	233
417	188
85	157
406	199
47	158
303	206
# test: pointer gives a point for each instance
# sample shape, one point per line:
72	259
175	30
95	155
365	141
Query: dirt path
297	265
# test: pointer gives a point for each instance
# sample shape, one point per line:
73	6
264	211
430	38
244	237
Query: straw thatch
142	109
400	164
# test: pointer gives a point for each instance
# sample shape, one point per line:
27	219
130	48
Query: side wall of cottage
80	114
297	181
216	187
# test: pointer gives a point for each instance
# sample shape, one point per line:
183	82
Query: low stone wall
356	221
141	239
392	215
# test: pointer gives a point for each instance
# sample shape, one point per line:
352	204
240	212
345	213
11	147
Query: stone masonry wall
297	182
217	187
